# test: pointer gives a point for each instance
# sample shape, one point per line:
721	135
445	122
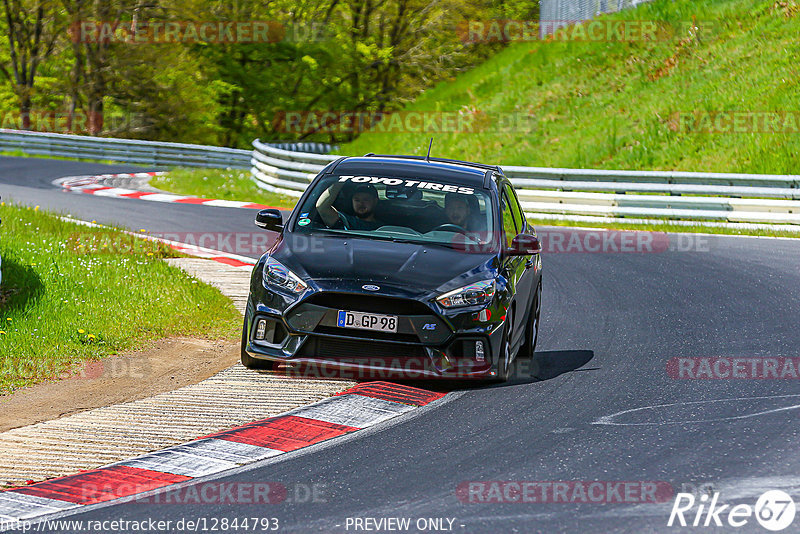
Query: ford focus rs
398	266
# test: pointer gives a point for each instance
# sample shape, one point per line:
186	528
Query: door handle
529	264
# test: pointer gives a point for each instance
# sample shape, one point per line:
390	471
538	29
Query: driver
458	211
365	200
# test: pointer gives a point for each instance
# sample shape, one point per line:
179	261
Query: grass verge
72	294
231	184
608	104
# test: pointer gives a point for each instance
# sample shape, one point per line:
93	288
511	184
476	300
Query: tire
532	328
505	360
250	362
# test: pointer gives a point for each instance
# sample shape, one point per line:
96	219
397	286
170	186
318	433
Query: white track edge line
185	246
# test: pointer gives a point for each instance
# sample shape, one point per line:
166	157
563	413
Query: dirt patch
163	366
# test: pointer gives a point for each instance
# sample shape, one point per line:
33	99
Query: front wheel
250	362
532	328
504	363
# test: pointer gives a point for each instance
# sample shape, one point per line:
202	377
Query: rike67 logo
774	510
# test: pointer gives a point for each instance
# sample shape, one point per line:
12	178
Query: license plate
367	321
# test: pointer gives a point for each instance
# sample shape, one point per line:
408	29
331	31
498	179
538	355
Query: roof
415	167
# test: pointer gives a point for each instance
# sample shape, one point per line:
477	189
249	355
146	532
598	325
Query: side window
509	225
516	210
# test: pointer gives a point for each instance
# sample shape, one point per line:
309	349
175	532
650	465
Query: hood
420	267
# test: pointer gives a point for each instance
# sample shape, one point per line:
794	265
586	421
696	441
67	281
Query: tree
335	55
92	57
33	29
378	54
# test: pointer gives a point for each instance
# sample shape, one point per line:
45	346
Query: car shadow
20	285
545	365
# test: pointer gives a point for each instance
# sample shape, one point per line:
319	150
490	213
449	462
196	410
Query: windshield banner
433	186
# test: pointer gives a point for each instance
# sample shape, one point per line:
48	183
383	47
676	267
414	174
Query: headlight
477	293
275	274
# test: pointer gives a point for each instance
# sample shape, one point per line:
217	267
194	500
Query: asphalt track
610	324
28	181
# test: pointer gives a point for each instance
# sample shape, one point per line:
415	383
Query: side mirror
524	245
270	220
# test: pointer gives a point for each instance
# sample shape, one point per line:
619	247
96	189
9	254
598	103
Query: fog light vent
479	355
261	328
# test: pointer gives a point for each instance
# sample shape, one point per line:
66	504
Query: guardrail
576	193
305	146
544	192
153	153
555	14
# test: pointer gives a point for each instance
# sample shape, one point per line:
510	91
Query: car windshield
401	209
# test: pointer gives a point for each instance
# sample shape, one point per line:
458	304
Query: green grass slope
612	105
72	294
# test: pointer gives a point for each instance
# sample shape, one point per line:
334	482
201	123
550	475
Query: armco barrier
557	13
284	171
565	193
544	192
151	153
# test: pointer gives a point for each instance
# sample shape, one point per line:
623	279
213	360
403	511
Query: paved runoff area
95	438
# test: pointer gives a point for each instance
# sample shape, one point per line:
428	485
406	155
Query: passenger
365	200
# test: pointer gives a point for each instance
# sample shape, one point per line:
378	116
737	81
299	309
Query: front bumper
429	342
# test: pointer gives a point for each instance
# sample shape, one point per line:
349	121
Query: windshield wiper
459	246
394	239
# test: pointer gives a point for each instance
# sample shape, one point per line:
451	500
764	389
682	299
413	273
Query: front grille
369	303
323	347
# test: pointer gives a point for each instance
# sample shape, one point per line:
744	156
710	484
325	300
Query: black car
397	267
